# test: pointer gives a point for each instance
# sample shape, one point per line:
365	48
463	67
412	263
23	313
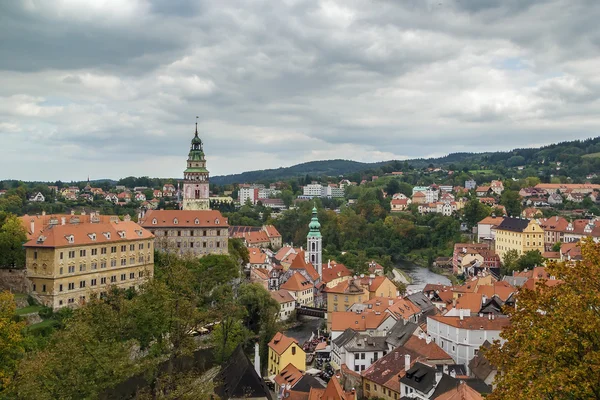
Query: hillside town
378	335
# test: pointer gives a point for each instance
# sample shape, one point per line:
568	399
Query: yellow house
518	234
379	286
343	295
283	351
301	289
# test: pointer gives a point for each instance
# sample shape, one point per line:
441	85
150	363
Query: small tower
315	243
195	184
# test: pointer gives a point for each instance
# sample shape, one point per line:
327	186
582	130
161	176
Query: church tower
195	184
315	243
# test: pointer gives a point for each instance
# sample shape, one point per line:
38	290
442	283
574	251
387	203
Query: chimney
406	362
43	213
445	368
490	317
32	226
257	358
72	212
438	376
460	314
421	335
329	264
63	220
391	302
453	373
427	339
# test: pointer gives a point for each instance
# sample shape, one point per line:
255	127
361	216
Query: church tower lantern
196	179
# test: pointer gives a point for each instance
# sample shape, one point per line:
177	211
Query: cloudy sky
112	88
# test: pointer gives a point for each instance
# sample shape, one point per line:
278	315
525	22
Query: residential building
555	199
461	336
260	276
341	296
38	197
284	350
374	323
333	391
198	232
301	289
419	198
486	228
196	178
333	191
68	263
584	188
258	259
518	234
248	193
470	184
357	350
382	379
483	191
398	205
497	187
312	190
287	303
379	286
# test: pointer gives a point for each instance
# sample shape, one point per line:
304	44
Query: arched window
154	221
196	221
314	246
175	221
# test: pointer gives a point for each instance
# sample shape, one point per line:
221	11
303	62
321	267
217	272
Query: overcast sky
112	88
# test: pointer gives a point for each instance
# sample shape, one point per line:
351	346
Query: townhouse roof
88	234
240	230
297	282
354	342
513	224
482	188
400	333
571	250
332	270
280	343
418	194
342	320
491	221
473	322
298	263
257	256
469	301
261	273
480	366
271	231
531	283
450	388
282	252
420	300
282	296
429	351
333	391
289	375
373	283
256	237
502	289
554	186
44	221
183	219
386	370
536	272
349	286
399	202
403	308
420	377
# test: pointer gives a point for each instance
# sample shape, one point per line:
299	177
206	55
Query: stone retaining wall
14	280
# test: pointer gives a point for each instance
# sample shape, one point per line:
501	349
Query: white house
461	336
358	351
470	184
286	302
486	228
39	197
312	190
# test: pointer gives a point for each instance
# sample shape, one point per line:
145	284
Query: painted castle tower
195	184
315	243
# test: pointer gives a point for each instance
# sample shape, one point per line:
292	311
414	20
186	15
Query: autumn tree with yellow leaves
552	348
11	340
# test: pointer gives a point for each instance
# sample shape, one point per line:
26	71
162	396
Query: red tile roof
257	256
297	282
473	322
282	296
333	270
469	301
460	392
280	343
184	218
342	320
430	351
290	375
299	263
271	231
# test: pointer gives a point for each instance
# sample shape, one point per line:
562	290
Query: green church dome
314	228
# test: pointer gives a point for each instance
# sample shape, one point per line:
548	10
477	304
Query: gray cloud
112	90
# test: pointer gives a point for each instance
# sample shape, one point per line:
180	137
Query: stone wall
14	280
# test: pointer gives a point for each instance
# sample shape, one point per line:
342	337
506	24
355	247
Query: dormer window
175	221
70	238
139	232
196	221
92	236
122	234
217	221
41	239
106	235
154	221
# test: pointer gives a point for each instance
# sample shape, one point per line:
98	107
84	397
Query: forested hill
313	168
580	156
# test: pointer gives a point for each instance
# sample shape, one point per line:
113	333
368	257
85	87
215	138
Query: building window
61	255
43	288
81	267
71	285
140	274
94	252
102	281
94	265
60	270
141	246
35	255
103	250
293	350
113	249
72	254
103	264
123	261
113	263
60	287
356	356
123	248
81	253
113	279
131	260
132	275
81	284
204	233
218	244
71	269
123	277
131	247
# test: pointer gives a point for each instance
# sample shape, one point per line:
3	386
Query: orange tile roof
554	224
41	222
419	194
260	273
272	231
257	256
461	392
554	186
373	284
282	252
531	283
289	375
403	308
297	282
256	237
430	351
282	296
342	320
333	270
469	301
185	219
492	221
299	263
473	322
280	343
90	233
502	289
349	286
333	391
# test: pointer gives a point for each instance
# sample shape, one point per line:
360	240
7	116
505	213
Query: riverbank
418	259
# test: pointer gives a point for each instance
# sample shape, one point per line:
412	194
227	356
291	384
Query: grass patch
592	155
481	171
29	309
41	325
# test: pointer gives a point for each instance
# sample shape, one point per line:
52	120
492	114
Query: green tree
12	238
556	246
475	211
11	340
288	197
511	200
510	262
530	259
552	346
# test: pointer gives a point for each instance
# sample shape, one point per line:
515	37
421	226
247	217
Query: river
420	275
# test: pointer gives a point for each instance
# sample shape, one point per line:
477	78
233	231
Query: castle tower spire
196	177
315	242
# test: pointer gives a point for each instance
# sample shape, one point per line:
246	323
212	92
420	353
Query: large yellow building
69	262
518	234
283	351
343	295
